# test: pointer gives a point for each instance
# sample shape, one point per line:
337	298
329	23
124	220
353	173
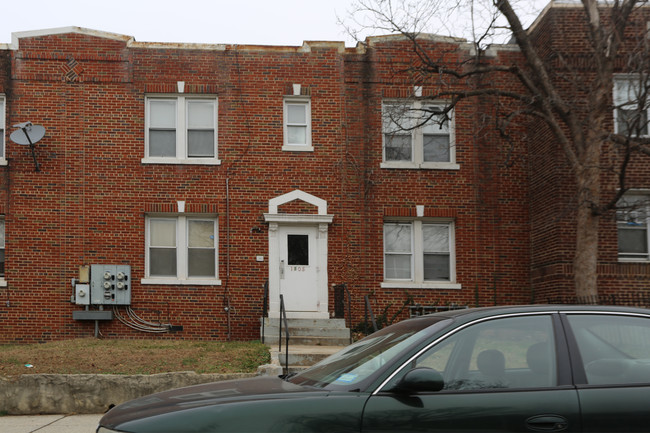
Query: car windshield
349	367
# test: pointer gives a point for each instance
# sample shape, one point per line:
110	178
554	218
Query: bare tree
580	120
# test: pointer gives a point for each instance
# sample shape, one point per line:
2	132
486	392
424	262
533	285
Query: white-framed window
181	250
2	251
631	102
181	129
414	136
419	253
297	124
632	219
3	114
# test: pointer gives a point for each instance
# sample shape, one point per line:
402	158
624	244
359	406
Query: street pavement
49	423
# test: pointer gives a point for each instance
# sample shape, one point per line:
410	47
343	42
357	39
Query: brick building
187	178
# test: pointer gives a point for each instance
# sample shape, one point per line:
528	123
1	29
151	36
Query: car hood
210	394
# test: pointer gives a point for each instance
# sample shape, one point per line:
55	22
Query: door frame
321	220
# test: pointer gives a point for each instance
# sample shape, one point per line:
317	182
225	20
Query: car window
359	361
516	352
614	349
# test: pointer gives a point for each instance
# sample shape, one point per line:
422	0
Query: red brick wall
88	203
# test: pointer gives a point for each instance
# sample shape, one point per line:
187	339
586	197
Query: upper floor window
181	250
631	106
297	124
181	130
2	127
419	253
632	224
417	135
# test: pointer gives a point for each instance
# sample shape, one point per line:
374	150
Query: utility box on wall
110	284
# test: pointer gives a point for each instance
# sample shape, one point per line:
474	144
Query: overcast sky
264	22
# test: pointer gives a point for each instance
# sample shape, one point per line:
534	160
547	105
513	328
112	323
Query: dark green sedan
505	369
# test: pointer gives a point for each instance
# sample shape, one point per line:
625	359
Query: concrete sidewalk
49	423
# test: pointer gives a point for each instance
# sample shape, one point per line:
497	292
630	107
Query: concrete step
309	332
306	340
307	323
303	356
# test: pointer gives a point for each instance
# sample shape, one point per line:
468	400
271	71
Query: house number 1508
298	268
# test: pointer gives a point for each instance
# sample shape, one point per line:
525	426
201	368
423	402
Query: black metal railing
368	310
421	310
265	306
283	321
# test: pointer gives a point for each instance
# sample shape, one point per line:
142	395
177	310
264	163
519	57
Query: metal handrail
372	316
283	319
265	307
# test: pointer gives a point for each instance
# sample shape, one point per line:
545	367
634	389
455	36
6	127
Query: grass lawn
90	355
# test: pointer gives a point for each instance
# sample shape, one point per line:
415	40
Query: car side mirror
421	379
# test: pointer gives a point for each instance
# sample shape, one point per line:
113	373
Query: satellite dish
27	135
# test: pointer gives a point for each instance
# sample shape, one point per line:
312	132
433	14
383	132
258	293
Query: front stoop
310	340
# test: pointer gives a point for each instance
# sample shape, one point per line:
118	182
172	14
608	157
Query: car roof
481	312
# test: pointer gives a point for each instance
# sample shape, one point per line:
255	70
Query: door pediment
298	218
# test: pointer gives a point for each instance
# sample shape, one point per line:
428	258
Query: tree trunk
586	258
587	222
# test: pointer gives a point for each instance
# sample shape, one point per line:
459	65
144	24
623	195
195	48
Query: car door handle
547	423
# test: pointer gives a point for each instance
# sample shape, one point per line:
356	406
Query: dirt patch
95	356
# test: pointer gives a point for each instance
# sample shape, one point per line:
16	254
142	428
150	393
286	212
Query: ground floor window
632	225
419	251
181	248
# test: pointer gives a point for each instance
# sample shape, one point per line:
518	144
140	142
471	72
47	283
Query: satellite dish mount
28	134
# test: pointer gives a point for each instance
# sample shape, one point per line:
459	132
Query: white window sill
189	161
3	161
633	260
420	166
441	285
3	282
177	282
297	148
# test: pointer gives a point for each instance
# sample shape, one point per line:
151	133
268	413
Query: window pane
298	250
162	262
296	135
436	148
436	267
200	114
435	238
201	262
162	233
201	234
397	147
614	349
200	143
162	114
398	267
162	143
297	114
397	238
2	233
632	121
632	241
502	353
436	125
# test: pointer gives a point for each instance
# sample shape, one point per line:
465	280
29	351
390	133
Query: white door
298	267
